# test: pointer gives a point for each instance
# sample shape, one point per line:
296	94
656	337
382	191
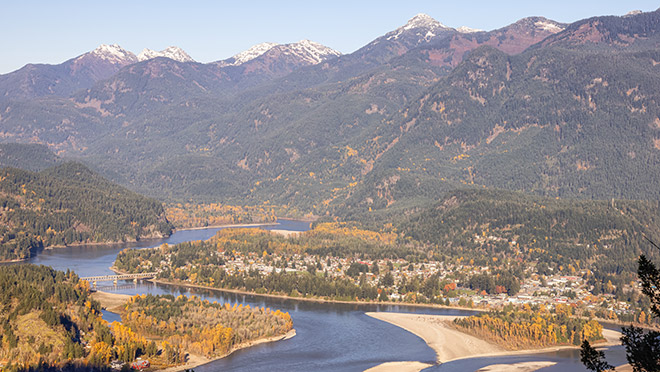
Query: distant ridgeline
563	236
69	204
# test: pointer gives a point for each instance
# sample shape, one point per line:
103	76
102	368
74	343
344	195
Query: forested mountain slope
69	204
32	157
564	236
416	112
48	317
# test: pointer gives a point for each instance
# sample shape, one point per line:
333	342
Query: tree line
70	204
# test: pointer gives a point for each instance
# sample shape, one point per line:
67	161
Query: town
401	281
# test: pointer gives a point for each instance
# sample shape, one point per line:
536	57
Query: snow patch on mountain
252	53
171	52
547	25
422	20
468	30
310	51
112	53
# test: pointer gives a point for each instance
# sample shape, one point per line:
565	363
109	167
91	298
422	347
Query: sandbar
399	367
451	344
517	367
448	343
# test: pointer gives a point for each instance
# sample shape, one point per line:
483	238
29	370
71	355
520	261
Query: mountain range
566	110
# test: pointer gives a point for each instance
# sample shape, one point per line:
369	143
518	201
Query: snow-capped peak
171	52
309	52
312	51
113	53
422	20
423	25
252	53
468	30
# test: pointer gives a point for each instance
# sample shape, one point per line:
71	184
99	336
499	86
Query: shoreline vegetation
449	333
195	360
114	302
306	299
78	244
451	344
228	226
430	328
323	300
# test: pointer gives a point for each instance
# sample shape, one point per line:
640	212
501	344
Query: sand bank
448	343
624	368
399	367
518	367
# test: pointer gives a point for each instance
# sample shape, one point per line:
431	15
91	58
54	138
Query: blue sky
54	31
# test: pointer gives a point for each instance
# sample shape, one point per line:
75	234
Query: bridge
115	278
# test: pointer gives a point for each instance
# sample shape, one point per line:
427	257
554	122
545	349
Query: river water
329	337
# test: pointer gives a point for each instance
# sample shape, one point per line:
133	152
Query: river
330	337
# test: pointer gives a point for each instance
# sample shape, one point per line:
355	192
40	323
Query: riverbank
450	344
198	360
15	260
285	233
129	241
517	367
399	367
114	303
447	342
308	299
228	226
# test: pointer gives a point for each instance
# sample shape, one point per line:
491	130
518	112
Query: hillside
564	235
32	157
48	317
550	121
69	204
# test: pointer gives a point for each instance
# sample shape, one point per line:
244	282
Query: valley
505	178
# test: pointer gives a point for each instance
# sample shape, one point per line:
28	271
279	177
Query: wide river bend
330	337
